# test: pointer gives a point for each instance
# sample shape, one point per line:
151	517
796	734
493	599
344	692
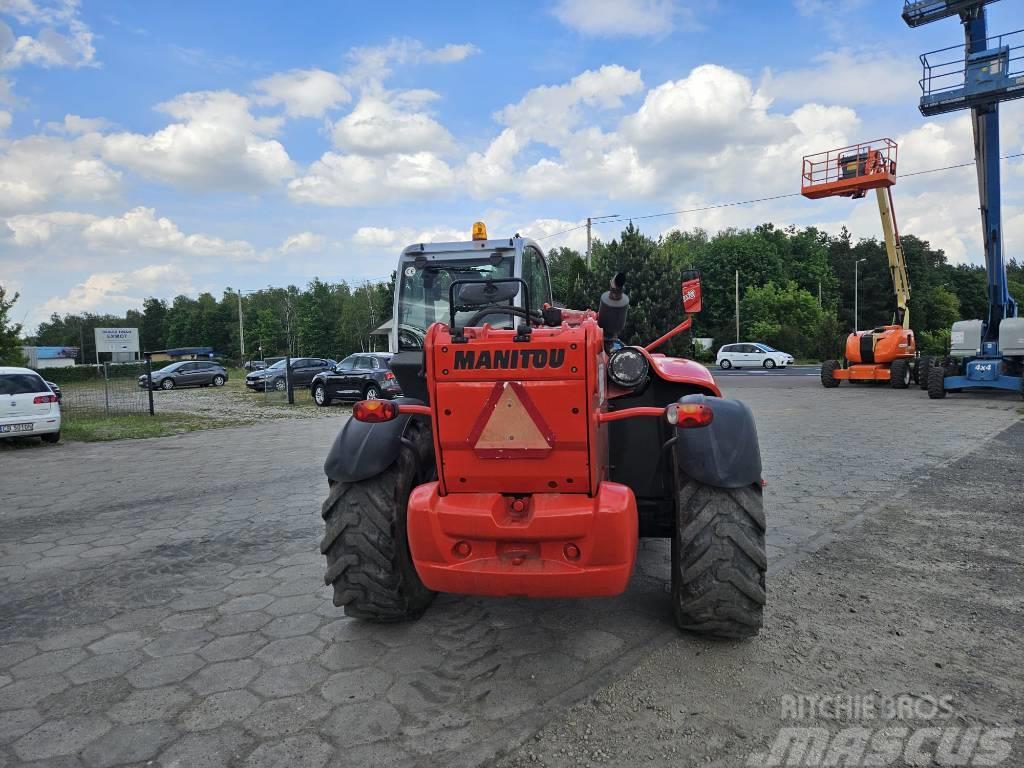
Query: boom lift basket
849	171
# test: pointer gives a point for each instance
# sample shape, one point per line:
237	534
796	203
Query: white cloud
303	241
549	112
450	53
870	76
76	125
558	233
120	291
5	120
38	169
371	65
31	12
708	108
138	229
378	127
216	143
36	229
385	237
618	18
304	92
63	41
351	180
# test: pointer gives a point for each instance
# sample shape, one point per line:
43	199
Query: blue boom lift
989	353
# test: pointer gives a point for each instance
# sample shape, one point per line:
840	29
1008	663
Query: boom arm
894	250
985	123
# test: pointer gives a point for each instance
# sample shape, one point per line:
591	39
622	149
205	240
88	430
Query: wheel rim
167	384
725	364
318	395
906	377
279	386
218	381
372	394
769	364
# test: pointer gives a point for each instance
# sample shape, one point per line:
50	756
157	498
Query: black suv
303	370
366	376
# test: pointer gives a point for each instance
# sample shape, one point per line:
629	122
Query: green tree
152	326
652	283
787	317
569	277
10	332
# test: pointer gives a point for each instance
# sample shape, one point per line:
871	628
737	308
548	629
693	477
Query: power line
760	199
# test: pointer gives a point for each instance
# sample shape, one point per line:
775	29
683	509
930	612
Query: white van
28	407
752	355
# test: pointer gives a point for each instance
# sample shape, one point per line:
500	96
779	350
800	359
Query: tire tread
718	560
368	561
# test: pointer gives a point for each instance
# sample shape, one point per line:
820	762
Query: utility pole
590	238
241	327
737	305
819	293
589	221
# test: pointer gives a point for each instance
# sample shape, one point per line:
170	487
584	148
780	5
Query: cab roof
470	246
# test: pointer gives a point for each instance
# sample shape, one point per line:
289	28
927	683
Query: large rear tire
937	382
828	368
718	559
924	366
366	542
899	374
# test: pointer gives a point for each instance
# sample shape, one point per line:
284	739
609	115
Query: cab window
535	274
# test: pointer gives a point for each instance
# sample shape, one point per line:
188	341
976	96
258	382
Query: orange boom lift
887	353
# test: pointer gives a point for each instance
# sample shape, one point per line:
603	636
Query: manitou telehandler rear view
532	449
887	353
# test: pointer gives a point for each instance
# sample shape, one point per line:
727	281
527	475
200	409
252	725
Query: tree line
796	286
796	293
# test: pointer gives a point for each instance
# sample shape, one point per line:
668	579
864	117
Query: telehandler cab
532	449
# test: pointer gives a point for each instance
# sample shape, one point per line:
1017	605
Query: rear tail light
688	415
374	410
43	399
389	376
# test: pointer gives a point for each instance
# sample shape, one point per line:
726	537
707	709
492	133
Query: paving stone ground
161	601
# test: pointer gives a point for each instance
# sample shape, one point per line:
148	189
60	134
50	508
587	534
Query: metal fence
111	390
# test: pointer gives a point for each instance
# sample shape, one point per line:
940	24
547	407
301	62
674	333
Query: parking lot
162	602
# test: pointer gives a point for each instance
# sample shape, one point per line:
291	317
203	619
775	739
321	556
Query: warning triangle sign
510	425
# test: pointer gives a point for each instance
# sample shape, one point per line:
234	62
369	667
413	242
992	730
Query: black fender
362	450
725	453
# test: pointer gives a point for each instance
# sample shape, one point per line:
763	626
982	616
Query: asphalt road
791	370
162	603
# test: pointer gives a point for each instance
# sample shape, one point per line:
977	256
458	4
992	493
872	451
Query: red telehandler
532	449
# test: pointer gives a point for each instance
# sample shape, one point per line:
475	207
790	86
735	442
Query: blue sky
157	149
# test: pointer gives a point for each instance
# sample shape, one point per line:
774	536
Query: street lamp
856	295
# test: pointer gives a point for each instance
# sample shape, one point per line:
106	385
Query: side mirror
477	294
691	291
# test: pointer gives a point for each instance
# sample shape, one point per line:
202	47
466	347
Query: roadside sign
117	340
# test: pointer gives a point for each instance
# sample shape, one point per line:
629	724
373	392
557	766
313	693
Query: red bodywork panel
559	545
553	376
681	371
522	504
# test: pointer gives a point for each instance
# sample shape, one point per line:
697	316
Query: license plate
17	427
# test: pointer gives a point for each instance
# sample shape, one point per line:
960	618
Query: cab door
535	275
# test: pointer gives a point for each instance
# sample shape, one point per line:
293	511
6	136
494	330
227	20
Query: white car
752	355
27	406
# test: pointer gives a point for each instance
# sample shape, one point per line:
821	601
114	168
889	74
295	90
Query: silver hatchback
190	373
